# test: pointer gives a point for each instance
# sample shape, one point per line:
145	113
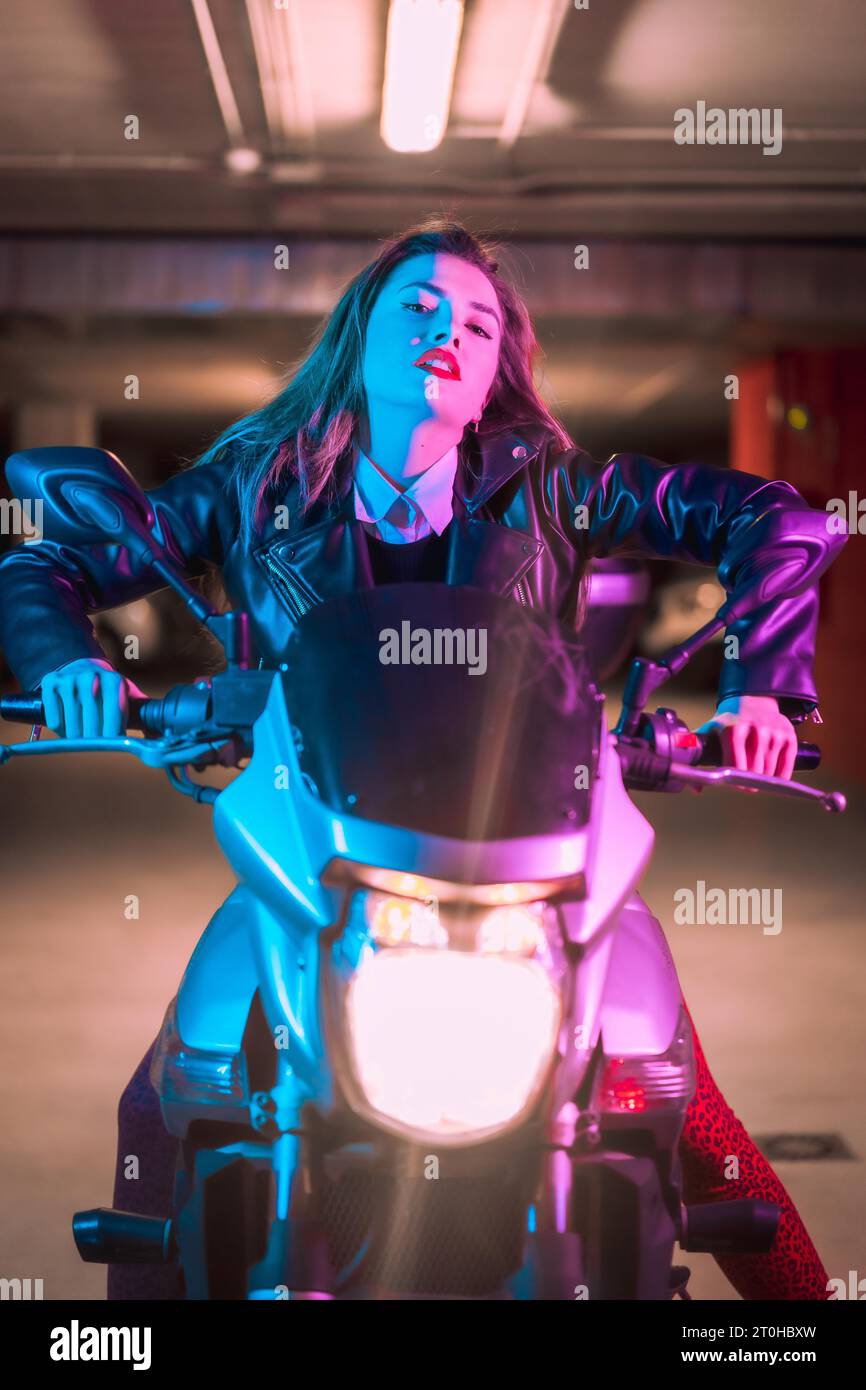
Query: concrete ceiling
151	256
561	120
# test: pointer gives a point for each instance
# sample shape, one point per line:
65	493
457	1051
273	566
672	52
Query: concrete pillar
801	417
40	424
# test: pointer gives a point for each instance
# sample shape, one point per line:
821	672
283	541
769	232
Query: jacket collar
497	459
328	548
430	492
485	466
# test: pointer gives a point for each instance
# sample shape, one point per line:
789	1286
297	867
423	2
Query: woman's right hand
87	699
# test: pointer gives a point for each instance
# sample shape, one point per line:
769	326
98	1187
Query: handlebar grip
22	709
807	759
28	709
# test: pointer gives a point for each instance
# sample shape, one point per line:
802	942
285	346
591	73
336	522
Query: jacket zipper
299	597
519	589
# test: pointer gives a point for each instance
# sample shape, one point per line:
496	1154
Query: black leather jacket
527	521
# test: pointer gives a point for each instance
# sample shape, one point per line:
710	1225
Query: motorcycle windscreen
444	710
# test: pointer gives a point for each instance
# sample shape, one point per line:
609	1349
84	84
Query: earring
475	423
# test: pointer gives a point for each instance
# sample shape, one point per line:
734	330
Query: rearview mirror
88	497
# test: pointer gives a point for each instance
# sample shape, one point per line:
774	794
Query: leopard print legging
712	1133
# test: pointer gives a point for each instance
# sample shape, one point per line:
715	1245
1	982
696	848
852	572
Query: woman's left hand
754	734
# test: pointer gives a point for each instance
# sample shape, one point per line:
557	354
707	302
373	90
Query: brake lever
153	752
735	777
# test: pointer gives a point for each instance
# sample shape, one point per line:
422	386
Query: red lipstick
440	362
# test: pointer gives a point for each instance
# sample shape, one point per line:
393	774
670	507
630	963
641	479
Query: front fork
296	1263
265	1193
553	1263
600	1228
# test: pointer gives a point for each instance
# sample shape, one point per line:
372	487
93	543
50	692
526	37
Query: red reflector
623	1093
686	740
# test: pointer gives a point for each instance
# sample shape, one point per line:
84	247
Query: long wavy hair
307	431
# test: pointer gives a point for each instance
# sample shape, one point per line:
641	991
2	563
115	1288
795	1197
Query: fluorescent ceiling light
420	57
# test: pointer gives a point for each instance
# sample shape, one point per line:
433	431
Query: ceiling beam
649	279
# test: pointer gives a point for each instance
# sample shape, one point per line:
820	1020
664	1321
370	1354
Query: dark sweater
412	563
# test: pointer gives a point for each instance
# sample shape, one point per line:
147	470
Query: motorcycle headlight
452	1022
397	921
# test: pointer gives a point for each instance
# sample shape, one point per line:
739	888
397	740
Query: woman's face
432	342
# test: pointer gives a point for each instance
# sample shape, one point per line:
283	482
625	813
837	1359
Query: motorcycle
433	1045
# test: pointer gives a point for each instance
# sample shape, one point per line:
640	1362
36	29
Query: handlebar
664	755
206	717
189	708
186	706
220	706
807	760
28	709
153	716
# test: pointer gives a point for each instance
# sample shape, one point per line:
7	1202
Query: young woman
411	443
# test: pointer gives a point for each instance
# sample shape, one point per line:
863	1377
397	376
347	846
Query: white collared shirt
400	517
